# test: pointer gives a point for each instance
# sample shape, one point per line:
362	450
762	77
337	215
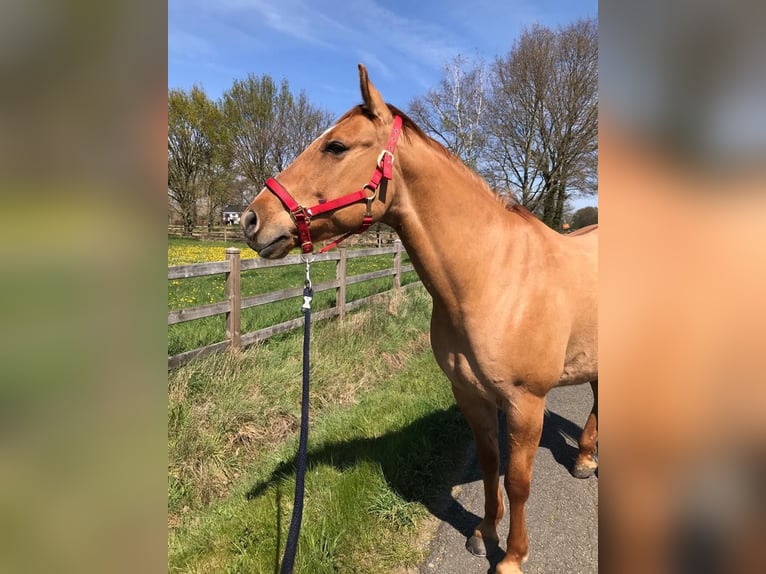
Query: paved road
562	511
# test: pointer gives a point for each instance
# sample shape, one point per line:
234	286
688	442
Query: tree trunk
558	214
549	203
210	217
189	217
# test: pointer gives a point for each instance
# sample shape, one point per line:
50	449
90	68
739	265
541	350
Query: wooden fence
377	236
218	233
233	266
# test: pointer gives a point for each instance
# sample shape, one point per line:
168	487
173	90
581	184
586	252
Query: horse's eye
335	147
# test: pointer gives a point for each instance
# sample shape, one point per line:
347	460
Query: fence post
398	265
340	290
233	296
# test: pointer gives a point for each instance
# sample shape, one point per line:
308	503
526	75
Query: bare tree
267	126
515	114
305	122
250	112
452	112
542	122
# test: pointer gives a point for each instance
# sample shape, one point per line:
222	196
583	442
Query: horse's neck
455	232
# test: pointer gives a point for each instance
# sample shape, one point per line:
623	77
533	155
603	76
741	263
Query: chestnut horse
514	302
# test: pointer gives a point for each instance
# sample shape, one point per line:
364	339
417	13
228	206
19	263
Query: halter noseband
302	215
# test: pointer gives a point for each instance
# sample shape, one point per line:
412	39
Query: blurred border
83	432
682	284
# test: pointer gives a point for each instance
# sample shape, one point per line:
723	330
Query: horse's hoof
584	471
475	545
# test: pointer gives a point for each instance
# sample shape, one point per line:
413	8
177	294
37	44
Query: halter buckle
382	156
302	212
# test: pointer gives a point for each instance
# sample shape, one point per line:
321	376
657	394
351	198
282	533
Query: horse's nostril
250	223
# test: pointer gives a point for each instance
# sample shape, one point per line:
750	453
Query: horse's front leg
525	424
482	418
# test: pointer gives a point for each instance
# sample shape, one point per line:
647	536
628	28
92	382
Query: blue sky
316	45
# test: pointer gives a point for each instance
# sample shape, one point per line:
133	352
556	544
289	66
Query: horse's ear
373	101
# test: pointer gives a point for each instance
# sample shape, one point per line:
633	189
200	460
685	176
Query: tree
542	119
303	124
216	177
452	112
220	152
192	149
584	216
519	84
267	126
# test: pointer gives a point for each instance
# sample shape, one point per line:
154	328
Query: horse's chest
498	352
494	363
486	373
465	371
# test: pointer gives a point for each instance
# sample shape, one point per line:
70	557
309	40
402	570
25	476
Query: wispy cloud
349	26
186	44
293	18
410	38
315	42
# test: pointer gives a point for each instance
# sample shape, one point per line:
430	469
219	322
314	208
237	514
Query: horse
514	302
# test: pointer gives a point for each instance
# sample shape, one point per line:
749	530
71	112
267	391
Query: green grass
185	293
384	439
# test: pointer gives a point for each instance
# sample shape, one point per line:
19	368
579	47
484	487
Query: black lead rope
288	561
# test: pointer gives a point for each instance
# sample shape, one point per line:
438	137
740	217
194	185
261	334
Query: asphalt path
562	511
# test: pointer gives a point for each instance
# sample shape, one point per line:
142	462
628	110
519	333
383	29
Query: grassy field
185	293
385	440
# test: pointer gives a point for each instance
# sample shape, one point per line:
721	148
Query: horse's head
339	184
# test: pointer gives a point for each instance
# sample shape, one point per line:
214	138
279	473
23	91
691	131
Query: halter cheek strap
302	215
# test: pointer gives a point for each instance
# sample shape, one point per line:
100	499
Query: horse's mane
409	125
412	129
520	210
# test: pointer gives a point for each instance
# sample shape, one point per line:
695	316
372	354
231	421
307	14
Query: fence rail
378	235
217	233
232	307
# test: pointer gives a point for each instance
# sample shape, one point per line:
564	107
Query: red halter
302	215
